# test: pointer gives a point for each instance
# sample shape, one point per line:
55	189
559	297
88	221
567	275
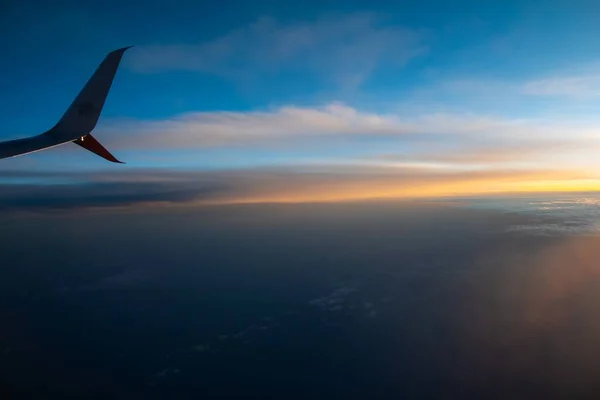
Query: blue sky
507	88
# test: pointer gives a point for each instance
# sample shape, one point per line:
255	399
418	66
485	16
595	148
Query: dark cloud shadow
99	195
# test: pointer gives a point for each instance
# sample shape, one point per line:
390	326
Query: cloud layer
134	189
277	125
386	155
343	49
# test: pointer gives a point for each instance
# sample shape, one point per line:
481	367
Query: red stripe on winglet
88	142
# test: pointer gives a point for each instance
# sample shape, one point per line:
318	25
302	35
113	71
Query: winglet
80	118
88	142
82	115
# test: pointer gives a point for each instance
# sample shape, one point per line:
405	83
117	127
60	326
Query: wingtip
122	49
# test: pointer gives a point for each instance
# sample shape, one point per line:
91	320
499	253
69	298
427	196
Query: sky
305	100
318	104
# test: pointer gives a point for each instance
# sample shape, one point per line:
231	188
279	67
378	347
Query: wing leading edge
80	118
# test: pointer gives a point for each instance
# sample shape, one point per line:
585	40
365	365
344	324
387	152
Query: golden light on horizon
377	188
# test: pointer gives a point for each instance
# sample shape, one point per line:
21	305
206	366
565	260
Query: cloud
315	183
560	216
99	194
579	87
575	86
256	331
344	49
252	331
474	152
429	155
554	229
291	124
345	299
209	129
336	301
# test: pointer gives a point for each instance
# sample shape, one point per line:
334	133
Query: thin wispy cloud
583	85
343	49
477	152
199	130
577	87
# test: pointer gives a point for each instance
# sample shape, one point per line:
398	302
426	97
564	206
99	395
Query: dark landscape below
372	300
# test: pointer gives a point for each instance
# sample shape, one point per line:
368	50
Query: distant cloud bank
146	187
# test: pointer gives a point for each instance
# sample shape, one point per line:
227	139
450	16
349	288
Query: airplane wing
80	118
